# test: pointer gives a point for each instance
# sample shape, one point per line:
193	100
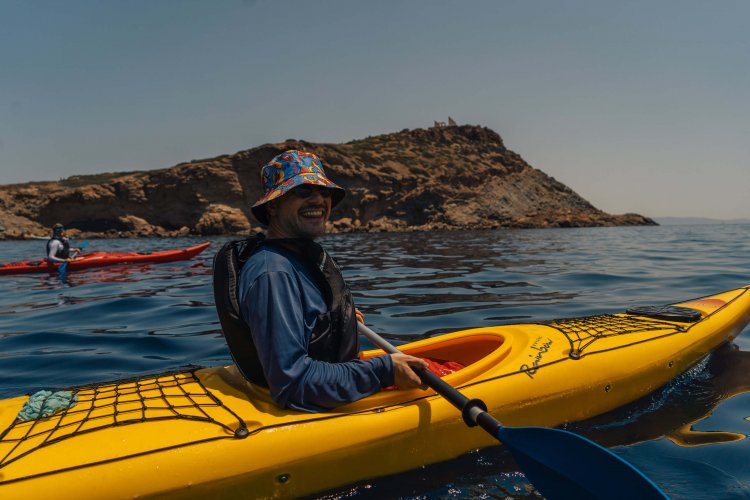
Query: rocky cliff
455	177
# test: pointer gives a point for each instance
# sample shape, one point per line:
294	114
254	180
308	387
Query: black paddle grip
489	424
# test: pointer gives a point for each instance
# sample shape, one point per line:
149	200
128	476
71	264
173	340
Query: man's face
300	213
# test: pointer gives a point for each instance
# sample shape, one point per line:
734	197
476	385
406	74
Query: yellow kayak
209	433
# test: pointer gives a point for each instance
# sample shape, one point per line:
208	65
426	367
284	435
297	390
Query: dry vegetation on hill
456	177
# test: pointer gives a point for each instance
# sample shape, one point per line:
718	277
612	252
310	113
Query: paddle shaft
62	268
474	411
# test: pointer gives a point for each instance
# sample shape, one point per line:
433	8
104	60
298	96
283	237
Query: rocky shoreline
447	178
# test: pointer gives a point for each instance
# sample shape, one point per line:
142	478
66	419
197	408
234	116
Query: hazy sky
639	106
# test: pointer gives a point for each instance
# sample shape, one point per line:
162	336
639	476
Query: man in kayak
58	247
302	321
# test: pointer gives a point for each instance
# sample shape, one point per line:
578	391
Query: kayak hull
213	434
102	259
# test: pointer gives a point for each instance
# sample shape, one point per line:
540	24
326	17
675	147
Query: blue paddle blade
564	465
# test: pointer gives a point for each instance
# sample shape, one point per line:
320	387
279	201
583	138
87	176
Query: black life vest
334	338
61	254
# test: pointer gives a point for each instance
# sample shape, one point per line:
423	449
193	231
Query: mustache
321	206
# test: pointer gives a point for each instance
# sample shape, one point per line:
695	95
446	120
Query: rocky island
444	177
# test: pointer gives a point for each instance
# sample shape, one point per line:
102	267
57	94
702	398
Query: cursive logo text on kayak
541	346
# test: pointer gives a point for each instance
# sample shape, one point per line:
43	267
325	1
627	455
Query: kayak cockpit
477	353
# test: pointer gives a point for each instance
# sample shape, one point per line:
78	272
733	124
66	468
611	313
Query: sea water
689	437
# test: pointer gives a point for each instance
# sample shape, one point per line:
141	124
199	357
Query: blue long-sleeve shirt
280	302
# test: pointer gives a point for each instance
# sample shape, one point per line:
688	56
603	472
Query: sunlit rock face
454	177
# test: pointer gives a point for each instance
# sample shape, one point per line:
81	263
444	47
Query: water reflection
676	410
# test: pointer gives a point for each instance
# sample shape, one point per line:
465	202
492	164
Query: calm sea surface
113	323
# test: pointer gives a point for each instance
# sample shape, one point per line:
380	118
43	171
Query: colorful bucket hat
287	171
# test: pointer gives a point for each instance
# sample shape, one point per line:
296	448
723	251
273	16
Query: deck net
170	396
583	332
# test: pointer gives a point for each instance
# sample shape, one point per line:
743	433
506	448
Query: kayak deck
153	435
100	259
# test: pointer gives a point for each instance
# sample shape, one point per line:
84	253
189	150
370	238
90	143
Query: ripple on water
119	322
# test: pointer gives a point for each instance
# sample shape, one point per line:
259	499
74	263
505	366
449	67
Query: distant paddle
559	463
63	268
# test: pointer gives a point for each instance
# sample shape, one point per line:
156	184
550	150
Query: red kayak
100	259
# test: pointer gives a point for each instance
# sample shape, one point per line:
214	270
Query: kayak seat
33	263
439	367
145	253
668	313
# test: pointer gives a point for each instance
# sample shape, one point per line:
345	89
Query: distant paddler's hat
287	171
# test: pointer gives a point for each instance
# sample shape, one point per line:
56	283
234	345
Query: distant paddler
58	247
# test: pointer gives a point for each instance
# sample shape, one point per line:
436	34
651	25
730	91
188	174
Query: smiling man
295	330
